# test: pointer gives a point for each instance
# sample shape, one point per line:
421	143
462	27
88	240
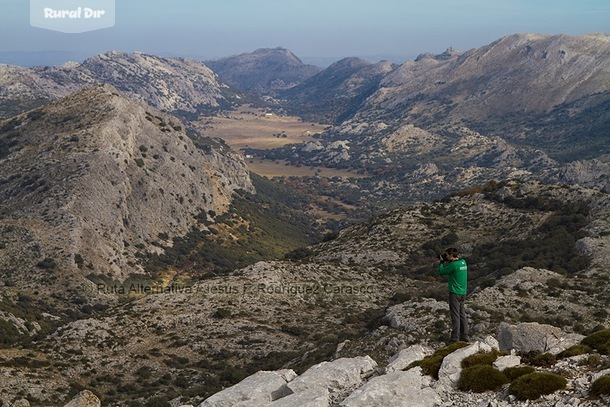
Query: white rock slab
407	356
451	368
339	376
399	388
259	389
532	336
307	398
84	399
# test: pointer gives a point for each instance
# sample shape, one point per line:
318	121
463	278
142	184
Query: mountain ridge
82	172
179	85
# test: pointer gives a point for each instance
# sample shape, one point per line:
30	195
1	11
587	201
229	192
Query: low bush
533	385
486	358
601	387
600	341
515	372
222	313
537	358
575	350
481	378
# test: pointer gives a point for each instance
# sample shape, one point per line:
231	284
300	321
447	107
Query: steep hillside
337	92
177	85
95	178
535	252
263	71
516	87
528	106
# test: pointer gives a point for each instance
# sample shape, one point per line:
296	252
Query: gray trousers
459	322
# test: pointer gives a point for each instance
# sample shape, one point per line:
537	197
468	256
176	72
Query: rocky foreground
362	382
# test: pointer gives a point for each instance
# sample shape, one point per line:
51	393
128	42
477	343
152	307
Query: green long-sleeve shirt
457	271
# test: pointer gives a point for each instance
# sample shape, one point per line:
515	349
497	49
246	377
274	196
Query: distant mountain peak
263	71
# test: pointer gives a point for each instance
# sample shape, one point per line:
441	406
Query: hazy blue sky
310	28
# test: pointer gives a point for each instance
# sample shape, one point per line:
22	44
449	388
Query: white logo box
72	16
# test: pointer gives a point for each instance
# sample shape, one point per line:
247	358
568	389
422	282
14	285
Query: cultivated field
250	127
254	128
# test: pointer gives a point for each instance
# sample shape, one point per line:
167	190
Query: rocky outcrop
85	399
532	336
229	321
341	383
339	377
451	367
504	362
398	388
405	357
258	389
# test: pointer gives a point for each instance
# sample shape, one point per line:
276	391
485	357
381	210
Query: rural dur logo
72	16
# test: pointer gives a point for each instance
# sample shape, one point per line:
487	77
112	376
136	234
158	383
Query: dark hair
452	251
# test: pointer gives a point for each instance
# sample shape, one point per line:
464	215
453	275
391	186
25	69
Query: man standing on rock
457	271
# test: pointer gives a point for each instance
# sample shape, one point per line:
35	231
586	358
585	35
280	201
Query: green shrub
293	330
486	358
537	358
600	341
601	387
480	378
592	361
430	365
222	313
515	372
47	263
575	350
536	384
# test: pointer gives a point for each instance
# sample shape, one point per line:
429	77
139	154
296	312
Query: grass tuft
481	378
575	350
513	373
600	341
536	384
483	358
601	387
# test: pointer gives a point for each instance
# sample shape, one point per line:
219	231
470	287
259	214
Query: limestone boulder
84	399
317	397
398	388
532	336
407	356
259	389
451	368
339	377
504	362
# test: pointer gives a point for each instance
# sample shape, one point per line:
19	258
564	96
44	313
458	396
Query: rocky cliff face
94	178
263	71
172	84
